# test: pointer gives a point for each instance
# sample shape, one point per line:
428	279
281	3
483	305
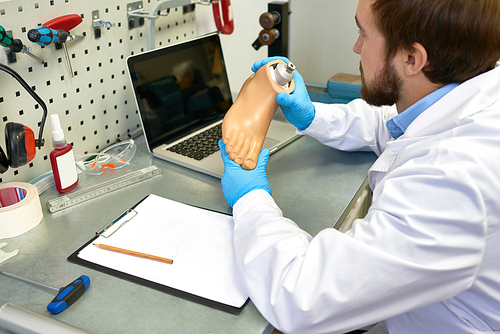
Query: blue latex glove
237	182
297	107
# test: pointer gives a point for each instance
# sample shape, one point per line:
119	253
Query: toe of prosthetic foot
249	164
233	156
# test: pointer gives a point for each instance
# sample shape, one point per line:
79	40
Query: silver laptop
182	94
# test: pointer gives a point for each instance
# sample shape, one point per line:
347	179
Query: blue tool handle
69	294
44	36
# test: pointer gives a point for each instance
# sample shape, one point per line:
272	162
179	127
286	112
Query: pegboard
96	107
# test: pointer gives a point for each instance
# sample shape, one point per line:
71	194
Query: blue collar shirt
398	124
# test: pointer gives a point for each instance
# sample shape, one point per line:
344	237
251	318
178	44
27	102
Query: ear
415	60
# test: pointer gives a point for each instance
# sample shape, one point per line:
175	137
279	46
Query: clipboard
75	258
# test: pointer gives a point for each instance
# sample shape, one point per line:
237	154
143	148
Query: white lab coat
426	258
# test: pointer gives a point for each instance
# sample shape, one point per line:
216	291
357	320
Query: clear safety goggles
111	158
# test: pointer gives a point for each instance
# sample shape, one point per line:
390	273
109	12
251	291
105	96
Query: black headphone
20	139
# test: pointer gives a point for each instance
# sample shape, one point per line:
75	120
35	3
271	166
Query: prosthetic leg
246	123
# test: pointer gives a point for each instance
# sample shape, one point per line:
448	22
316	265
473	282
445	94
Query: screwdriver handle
44	36
69	294
65	22
7	40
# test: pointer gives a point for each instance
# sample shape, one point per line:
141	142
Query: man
426	258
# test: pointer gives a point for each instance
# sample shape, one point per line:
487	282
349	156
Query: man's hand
238	182
297	107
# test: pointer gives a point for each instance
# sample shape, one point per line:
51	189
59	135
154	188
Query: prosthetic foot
246	123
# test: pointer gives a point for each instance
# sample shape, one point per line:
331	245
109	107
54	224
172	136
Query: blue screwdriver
65	297
44	36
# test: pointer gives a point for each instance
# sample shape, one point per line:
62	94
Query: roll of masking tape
20	208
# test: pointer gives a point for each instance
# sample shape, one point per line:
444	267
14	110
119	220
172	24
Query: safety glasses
111	158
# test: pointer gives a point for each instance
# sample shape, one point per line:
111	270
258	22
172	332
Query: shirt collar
398	125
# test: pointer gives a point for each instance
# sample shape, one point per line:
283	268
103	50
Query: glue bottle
62	159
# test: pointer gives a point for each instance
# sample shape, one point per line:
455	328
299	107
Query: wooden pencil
133	253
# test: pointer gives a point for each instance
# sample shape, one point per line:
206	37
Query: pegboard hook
141	13
209	2
156	10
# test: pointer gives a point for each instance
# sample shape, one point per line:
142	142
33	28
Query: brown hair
462	37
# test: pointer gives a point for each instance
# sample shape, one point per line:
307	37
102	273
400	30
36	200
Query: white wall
322	33
239	54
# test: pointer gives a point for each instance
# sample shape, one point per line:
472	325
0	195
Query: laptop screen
180	88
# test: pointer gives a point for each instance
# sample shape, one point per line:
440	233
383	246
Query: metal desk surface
311	183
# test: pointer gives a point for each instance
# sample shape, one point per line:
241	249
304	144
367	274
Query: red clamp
227	15
65	22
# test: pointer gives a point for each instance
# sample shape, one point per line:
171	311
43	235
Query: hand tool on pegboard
57	31
15	45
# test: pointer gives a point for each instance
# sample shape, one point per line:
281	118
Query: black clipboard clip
116	220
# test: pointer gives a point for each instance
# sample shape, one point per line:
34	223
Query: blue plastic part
334	92
57	307
344	91
86	281
69	294
44	31
45	39
63	294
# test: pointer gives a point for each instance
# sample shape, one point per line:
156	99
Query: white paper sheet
199	241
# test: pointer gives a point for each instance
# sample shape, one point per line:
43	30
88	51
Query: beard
385	90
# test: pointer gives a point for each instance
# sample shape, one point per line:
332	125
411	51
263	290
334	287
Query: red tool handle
227	15
65	22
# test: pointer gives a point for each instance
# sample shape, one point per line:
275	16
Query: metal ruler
83	195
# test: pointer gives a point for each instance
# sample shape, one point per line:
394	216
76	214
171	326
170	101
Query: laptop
182	94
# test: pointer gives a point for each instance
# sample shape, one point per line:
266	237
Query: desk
311	183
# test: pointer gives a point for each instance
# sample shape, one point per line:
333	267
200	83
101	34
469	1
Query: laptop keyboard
200	146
